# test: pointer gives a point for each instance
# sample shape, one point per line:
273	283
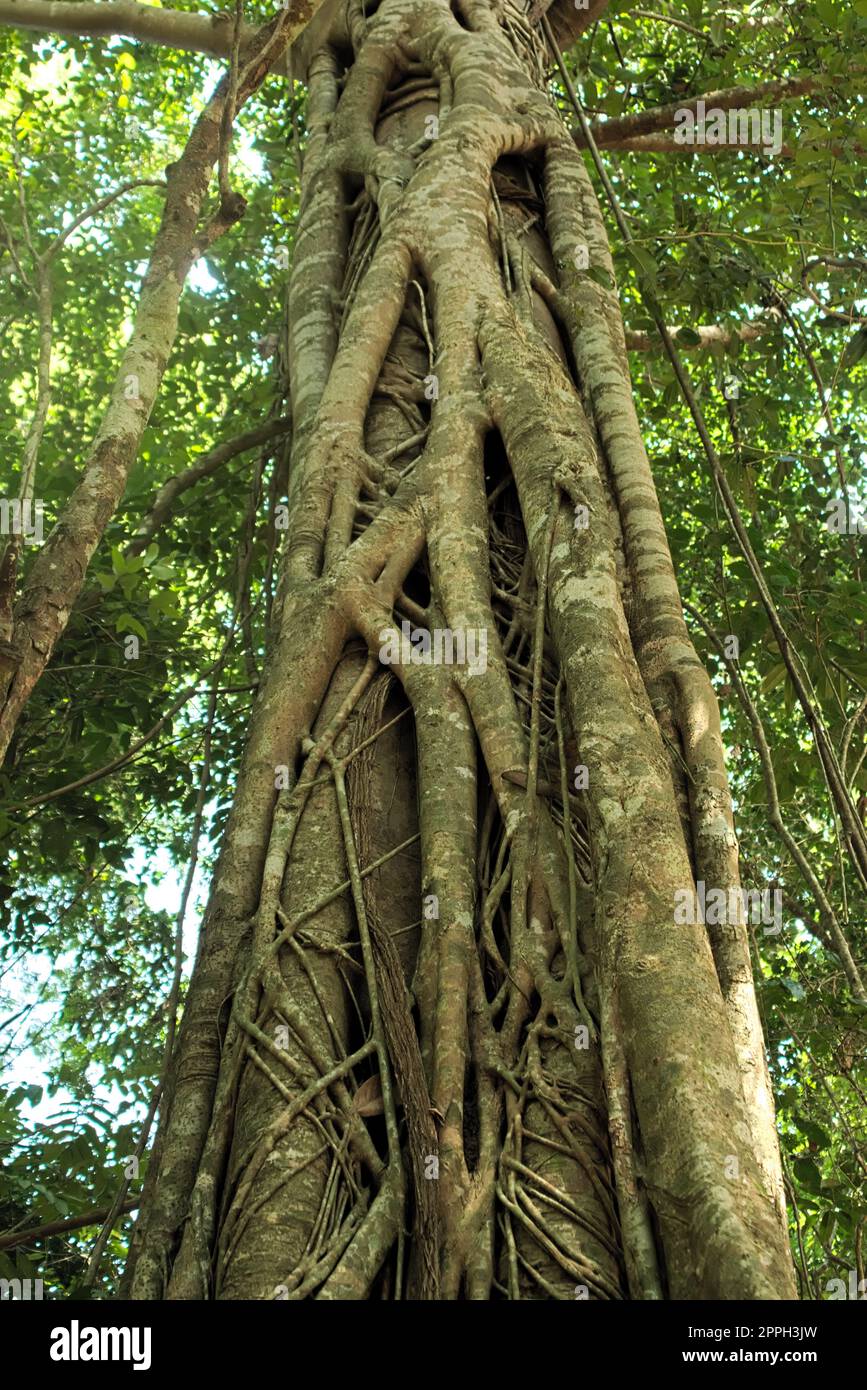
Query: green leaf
815	1133
855	348
808	1174
647	268
600	275
127	623
717	29
794	987
775	677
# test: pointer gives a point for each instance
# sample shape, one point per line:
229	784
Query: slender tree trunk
32	623
444	1037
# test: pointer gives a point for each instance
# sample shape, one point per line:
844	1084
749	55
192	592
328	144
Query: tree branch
56	1228
666	144
567	20
661	118
207	464
172	28
637	340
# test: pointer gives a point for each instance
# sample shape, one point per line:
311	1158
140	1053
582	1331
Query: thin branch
97	207
832	263
56	1228
164	502
669	19
123	758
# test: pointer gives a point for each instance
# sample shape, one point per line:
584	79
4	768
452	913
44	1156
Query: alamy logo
856	1288
736	906
845	518
739	126
442	647
19	518
76	1343
20	1288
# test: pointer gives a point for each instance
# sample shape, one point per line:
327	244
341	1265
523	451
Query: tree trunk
445	1037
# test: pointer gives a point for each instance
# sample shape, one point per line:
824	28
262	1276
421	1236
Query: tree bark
440	989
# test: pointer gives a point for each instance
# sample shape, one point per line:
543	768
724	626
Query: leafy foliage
89	879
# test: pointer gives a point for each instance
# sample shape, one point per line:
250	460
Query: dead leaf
368	1097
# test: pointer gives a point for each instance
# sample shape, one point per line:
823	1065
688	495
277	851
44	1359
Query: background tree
444	1035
